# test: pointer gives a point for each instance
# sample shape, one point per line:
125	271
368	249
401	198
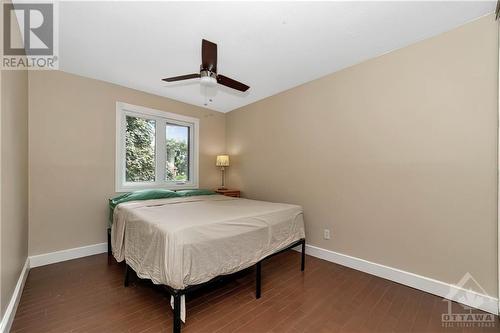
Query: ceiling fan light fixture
208	78
208	70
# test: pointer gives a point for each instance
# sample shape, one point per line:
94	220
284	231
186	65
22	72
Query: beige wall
396	155
72	155
13	177
14	180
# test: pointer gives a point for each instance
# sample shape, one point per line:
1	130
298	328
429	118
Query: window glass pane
140	150
177	162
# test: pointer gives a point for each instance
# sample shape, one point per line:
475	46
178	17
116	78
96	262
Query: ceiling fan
208	70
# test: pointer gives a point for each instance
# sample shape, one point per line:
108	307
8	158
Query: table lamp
222	162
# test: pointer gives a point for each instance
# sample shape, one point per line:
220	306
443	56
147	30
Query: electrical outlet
326	234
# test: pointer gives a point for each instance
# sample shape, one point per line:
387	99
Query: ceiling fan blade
228	82
182	77
208	56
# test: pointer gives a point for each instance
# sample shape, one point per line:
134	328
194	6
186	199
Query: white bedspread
187	241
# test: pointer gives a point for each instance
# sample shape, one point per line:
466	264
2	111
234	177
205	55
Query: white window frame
162	118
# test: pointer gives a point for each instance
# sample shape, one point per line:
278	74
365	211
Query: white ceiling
271	47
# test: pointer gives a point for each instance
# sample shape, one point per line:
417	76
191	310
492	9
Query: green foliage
177	160
140	153
140	150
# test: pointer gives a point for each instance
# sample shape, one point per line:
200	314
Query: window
177	150
155	149
140	147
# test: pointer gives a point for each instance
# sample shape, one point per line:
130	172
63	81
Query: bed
184	243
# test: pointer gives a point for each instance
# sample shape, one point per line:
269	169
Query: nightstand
229	193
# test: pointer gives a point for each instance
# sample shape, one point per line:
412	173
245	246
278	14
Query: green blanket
190	193
140	195
152	194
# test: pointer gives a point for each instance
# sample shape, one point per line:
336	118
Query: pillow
158	193
190	193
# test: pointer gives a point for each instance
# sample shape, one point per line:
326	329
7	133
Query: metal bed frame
177	293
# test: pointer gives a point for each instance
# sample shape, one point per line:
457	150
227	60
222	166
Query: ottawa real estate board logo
30	36
465	314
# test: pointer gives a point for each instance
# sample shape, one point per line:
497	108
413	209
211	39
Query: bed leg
257	280
127	275
109	241
177	313
303	256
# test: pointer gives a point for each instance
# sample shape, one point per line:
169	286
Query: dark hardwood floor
87	295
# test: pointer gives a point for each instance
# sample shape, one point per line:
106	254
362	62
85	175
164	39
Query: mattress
181	242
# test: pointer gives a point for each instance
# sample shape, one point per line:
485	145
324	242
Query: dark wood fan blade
208	56
228	82
181	77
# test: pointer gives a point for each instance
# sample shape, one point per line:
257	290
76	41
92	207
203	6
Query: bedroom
369	128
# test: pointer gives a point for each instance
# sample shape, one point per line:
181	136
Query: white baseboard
10	312
78	252
436	287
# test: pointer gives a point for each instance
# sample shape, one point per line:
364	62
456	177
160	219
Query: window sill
166	186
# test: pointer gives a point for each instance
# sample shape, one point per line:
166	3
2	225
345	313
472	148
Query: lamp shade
222	161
